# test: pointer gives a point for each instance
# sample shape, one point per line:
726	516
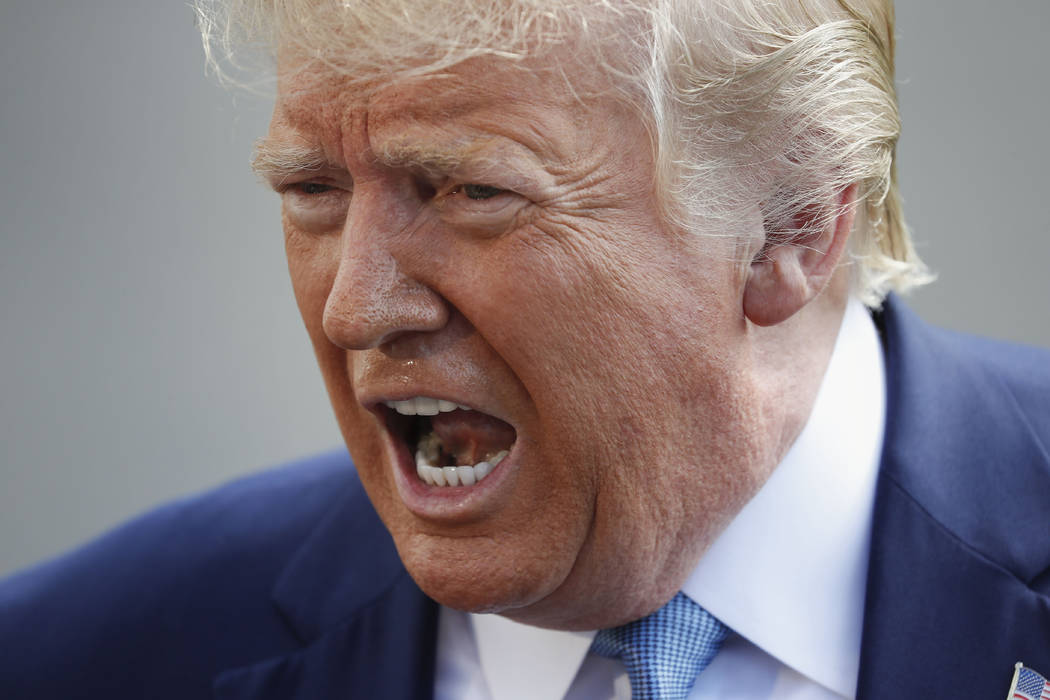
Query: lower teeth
455	476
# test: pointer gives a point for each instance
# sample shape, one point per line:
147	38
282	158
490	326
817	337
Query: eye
475	197
477	192
312	188
479	209
316	206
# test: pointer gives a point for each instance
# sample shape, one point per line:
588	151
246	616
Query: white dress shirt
787	575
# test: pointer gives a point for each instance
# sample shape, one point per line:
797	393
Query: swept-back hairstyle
786	102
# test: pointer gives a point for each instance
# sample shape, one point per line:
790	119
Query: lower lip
447	503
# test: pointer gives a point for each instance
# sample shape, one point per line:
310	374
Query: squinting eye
485	210
313	187
316	206
480	191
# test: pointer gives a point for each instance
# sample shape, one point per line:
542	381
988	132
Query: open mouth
453	444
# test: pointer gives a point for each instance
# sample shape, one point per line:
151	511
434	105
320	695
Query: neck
792	358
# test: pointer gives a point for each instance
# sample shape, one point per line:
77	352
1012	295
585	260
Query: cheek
313	262
312	265
626	357
605	319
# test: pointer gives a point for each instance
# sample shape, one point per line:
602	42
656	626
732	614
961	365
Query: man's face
485	240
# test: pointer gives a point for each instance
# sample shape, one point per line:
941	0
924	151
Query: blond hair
790	102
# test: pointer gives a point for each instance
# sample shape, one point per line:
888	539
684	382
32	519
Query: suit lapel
385	651
367	629
941	621
956	591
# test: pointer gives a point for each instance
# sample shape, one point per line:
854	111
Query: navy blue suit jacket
286	585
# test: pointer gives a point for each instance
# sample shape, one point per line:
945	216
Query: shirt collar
789	572
554	657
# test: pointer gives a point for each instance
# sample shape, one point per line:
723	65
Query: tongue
471	436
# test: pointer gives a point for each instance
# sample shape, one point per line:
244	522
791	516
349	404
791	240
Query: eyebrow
429	158
276	161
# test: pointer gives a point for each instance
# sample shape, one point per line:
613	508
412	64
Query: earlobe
786	275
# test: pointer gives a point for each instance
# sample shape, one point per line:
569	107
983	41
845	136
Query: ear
787	275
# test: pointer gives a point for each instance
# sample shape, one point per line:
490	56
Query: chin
477	575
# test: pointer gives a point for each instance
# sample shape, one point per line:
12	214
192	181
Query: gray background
150	344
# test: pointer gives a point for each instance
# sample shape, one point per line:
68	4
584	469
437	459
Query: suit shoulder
1016	364
1019	374
1025	372
967	437
257	513
178	583
968	365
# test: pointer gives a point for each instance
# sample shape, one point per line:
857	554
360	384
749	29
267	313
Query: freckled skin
615	346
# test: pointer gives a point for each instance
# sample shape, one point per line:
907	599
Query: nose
373	301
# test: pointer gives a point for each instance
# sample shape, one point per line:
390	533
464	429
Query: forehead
538	106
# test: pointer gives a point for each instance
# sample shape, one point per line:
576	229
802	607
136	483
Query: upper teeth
424	406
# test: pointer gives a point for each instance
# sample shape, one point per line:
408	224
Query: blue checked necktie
666	651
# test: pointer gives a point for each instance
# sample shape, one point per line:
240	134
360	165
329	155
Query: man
586	283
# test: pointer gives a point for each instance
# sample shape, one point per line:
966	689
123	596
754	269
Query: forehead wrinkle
479	137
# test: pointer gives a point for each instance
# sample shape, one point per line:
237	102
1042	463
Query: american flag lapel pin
1028	685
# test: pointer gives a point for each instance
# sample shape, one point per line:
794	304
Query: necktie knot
665	651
